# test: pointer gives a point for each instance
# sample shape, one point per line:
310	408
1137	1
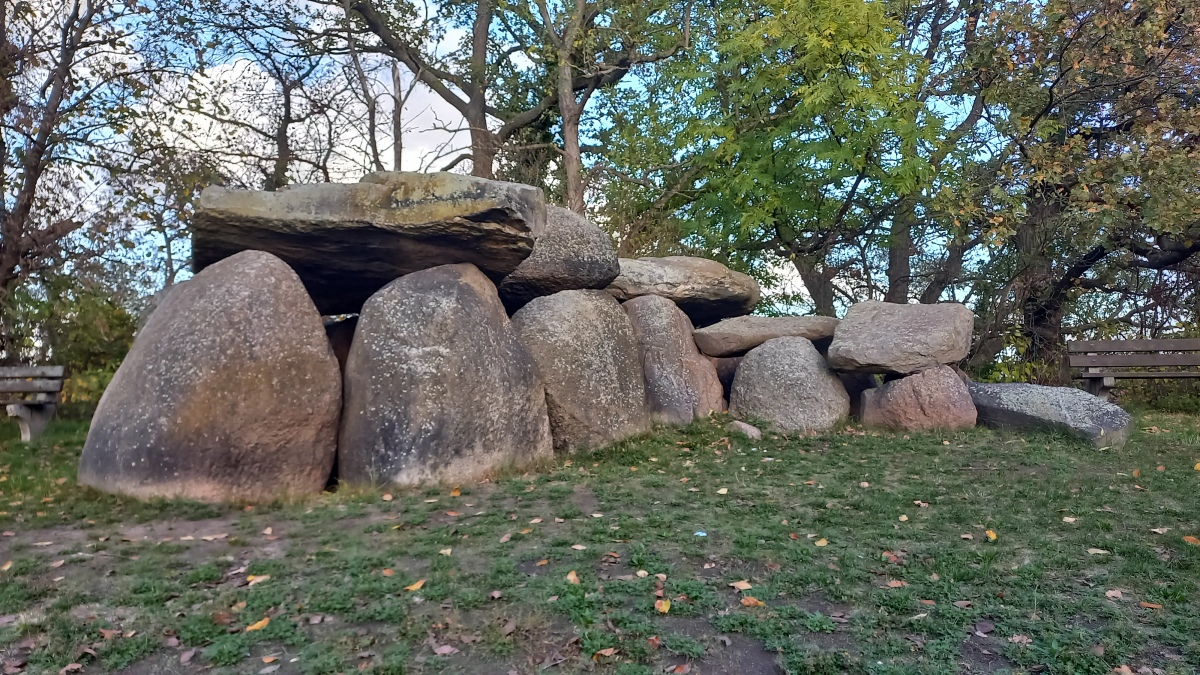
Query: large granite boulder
932	399
681	384
437	385
347	241
786	383
882	337
230	393
705	289
571	254
736	336
1032	407
585	350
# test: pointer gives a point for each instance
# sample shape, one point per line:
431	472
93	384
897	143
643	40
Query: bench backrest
1133	353
30	383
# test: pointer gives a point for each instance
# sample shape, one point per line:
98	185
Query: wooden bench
1097	358
30	394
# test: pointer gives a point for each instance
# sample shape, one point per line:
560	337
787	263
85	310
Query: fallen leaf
962	604
1197	467
597	515
751	601
985	627
1160	530
455	492
579	547
896	583
58	563
1149	605
642	574
934	577
723	491
1020	640
1097	551
1113	593
415	586
70	668
187	656
505	537
387	572
1160	467
535	521
663	606
660	576
453	514
1137	473
821	542
609	651
572	577
270	659
681	669
258	625
928	602
1122	670
6	566
1068	519
903	518
387	497
255	579
495	595
107	634
509	628
1192	540
991	535
552	598
654	642
742	585
445	650
541	563
965	536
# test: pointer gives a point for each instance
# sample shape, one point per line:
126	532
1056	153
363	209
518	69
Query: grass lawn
860	553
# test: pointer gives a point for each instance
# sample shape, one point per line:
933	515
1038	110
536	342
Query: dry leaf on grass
415	586
742	585
258	625
822	542
1097	551
572	577
751	601
663	606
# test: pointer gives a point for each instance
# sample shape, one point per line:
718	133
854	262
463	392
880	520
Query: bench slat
1133	360
1136	375
51	372
1163	345
30	386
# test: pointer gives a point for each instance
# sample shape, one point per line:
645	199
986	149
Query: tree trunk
283	148
819	283
899	271
397	119
571	111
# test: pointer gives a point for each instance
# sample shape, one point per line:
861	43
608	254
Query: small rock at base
740	427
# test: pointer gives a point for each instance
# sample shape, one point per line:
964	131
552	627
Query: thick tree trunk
819	283
899	271
571	111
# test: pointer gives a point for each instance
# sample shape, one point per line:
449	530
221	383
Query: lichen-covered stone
1033	407
738	335
786	383
586	353
230	393
882	337
347	241
438	386
681	384
571	254
933	399
705	290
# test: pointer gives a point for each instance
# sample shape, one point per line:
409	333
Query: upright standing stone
786	383
882	337
438	387
230	393
571	254
933	399
1033	407
705	290
347	241
736	336
681	383
585	351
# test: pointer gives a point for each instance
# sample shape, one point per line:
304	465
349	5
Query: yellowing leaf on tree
258	625
663	606
572	577
1192	540
751	601
821	542
991	535
415	586
742	585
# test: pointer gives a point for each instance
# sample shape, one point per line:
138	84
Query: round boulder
230	393
933	399
438	387
571	254
786	383
681	384
705	290
585	350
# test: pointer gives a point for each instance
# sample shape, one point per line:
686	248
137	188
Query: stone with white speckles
885	337
571	254
230	393
1031	406
438	386
584	347
786	383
